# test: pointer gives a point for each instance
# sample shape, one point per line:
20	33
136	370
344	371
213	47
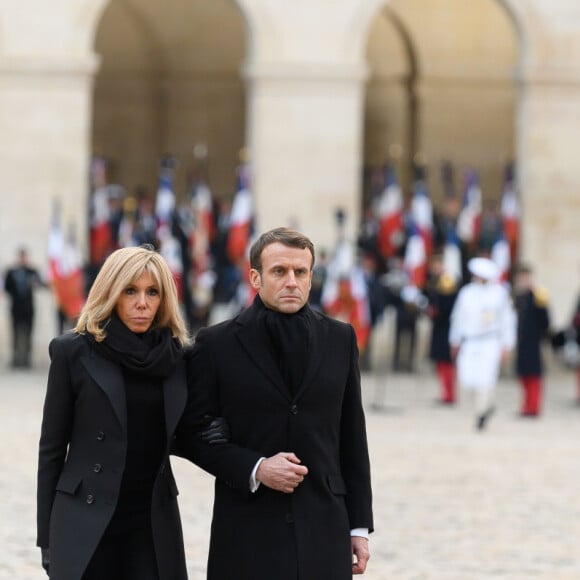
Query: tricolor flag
101	235
510	211
452	254
165	200
415	261
471	210
500	254
422	214
203	229
241	217
389	213
345	294
169	246
65	270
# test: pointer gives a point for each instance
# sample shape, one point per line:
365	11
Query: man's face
286	277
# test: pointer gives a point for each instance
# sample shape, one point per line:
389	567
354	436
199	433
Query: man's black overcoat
269	534
82	452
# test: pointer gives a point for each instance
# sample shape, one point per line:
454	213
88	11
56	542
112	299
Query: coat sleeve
354	454
228	462
54	436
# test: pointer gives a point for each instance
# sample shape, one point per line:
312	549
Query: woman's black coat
82	450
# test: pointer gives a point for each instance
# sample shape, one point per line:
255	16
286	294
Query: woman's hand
45	558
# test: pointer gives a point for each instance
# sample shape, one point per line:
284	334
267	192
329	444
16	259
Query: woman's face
138	303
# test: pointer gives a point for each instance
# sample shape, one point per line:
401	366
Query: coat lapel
110	379
253	341
175	398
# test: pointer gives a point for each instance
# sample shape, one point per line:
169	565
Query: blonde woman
116	391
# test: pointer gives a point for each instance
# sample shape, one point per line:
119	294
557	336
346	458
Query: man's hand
281	472
360	553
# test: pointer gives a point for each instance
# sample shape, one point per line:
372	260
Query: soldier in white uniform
482	334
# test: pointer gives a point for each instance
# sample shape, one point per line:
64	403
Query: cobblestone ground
450	503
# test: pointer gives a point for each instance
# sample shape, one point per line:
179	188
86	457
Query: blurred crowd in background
410	259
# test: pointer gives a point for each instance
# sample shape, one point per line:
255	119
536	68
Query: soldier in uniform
531	305
442	293
482	334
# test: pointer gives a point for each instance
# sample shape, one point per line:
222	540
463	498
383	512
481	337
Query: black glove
217	431
45	558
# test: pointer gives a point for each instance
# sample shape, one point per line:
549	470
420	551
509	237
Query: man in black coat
531	304
293	491
20	282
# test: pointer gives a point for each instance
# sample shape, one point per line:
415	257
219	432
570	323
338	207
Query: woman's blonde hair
121	269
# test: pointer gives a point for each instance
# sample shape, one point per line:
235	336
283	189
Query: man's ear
255	279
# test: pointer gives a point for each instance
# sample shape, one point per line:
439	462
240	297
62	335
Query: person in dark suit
107	506
20	282
293	489
531	304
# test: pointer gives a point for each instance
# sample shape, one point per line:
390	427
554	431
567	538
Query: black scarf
289	336
153	353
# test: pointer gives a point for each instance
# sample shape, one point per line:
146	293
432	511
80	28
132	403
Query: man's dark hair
285	236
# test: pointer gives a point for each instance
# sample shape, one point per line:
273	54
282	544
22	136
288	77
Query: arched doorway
170	80
442	87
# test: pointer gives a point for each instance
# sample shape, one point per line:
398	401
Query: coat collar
254	341
109	377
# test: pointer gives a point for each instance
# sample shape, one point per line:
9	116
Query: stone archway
170	80
463	61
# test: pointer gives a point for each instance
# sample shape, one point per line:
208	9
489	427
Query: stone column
550	185
305	136
45	113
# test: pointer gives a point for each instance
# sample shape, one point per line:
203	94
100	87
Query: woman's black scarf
289	336
153	353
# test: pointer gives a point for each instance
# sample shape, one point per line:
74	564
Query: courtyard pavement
450	503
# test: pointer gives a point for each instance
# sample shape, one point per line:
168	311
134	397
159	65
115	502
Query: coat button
100	435
289	518
294	409
97	467
90	498
162	468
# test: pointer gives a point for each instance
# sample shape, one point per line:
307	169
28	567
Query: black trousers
124	556
21	341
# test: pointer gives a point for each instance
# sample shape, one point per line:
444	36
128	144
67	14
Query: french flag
422	214
169	246
452	254
345	293
415	262
203	229
65	270
241	217
510	211
501	255
164	203
390	215
101	235
470	213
